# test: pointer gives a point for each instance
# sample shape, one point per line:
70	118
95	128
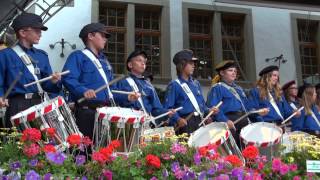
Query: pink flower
260	165
296	178
31	150
284	169
178	148
293	167
276	164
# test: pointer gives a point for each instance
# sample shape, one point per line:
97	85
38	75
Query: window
200	30
114	19
147	37
232	39
307	34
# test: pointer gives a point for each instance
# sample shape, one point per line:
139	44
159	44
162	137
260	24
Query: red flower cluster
250	152
209	151
104	154
49	148
74	139
99	157
153	160
31	150
86	141
50	131
31	134
234	160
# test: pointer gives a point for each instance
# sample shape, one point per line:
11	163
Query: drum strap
235	93
136	89
274	105
294	107
98	65
315	118
190	95
26	59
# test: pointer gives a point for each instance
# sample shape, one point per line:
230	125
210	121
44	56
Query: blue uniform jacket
306	122
150	98
176	97
257	103
219	93
11	65
84	76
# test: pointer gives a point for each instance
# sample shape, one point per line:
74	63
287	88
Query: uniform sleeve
202	101
157	107
48	85
71	80
169	103
122	99
2	72
214	97
286	109
253	104
297	122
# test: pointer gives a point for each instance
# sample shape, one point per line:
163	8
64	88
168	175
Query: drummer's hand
55	77
3	102
89	94
263	111
209	120
298	113
171	112
231	125
182	122
214	110
133	96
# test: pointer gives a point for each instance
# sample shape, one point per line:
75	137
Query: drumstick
104	86
12	85
210	113
164	114
293	114
45	79
122	92
247	114
187	119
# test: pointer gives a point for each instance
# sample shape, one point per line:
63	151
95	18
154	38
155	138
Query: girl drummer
267	94
235	102
309	119
290	92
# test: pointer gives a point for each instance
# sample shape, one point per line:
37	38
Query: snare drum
265	136
54	113
117	123
157	134
216	133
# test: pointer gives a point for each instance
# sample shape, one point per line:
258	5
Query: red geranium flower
107	152
86	141
115	144
49	148
153	160
250	152
234	160
74	139
31	150
203	151
99	157
31	134
50	131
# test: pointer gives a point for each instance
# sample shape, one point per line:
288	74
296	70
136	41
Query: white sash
234	92
136	89
274	105
315	118
98	65
190	95
27	61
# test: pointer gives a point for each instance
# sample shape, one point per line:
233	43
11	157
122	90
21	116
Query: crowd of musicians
90	69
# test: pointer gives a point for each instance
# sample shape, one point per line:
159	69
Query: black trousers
17	104
236	133
85	117
193	125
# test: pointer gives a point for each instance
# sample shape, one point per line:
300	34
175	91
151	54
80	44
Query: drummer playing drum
235	102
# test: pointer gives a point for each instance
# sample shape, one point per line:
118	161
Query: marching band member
89	70
235	102
149	101
290	92
186	92
33	63
309	119
267	94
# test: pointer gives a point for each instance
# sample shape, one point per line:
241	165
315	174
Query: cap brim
40	26
108	35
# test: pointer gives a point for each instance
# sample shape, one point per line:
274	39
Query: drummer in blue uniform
33	63
186	92
89	70
235	102
267	94
136	82
309	121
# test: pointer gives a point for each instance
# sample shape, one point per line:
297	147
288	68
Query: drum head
212	133
261	133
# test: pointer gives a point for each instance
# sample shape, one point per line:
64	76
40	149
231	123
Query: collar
99	56
136	76
26	49
190	79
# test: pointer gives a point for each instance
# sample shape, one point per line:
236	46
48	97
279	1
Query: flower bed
32	155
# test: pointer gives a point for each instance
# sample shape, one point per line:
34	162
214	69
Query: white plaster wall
66	24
